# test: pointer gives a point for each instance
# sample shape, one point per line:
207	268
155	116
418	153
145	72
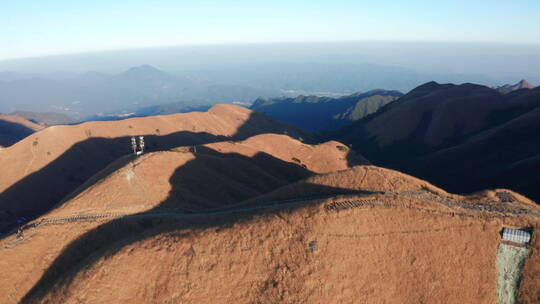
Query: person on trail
19	233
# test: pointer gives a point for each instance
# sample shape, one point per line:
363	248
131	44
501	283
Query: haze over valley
119	83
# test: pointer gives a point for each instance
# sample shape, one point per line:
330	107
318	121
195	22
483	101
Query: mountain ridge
316	113
58	159
14	127
89	94
507	88
400	219
433	117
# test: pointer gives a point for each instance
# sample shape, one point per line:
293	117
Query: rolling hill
39	171
397	238
14	128
461	137
188	179
232	206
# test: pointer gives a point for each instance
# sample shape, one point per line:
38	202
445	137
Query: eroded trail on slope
278	250
342	202
373	234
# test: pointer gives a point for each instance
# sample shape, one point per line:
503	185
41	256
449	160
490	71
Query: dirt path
345	202
32	149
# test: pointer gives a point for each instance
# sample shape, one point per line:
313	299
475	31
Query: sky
51	27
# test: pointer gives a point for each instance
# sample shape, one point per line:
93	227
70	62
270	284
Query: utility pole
137	149
134	145
141	144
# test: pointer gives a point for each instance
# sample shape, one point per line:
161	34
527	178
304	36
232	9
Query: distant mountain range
324	113
161	109
46	118
78	91
92	93
462	137
507	88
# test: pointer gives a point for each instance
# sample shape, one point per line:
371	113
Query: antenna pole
133	145
141	143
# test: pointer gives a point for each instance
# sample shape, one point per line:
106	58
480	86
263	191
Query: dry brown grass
39	171
410	250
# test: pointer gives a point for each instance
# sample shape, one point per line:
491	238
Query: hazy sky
47	27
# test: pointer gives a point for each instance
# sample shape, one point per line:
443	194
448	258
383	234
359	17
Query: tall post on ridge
133	144
141	143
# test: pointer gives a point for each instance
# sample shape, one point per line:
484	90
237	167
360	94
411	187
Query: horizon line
257	43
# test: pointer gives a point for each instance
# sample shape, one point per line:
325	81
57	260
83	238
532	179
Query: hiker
19	233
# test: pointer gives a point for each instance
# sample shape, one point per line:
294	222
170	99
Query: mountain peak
524	84
507	88
427	86
144	70
144	73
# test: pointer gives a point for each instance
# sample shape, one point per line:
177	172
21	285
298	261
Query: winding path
354	202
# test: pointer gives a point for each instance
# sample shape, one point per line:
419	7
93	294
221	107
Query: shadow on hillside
258	122
38	192
233	178
355	159
12	132
211	180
